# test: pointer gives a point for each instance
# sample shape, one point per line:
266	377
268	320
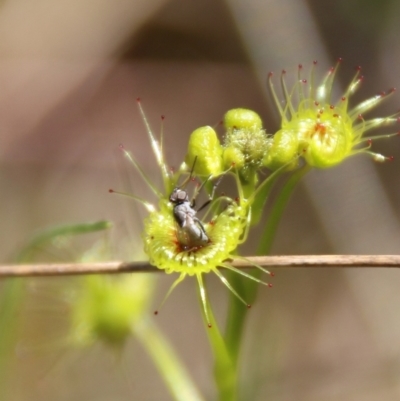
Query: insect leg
211	197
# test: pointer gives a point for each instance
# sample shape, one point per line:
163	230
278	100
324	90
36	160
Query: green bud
233	157
205	148
242	119
282	150
246	143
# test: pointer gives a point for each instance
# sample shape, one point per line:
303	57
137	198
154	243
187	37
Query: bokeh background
70	72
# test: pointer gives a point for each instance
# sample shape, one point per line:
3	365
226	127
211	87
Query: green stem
267	238
224	370
236	317
165	359
11	299
237	312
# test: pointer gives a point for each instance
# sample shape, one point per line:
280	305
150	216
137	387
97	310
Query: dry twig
315	261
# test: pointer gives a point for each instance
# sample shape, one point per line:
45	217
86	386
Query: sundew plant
193	230
188	238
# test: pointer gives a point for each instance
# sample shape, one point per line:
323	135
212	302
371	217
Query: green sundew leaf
47	236
13	290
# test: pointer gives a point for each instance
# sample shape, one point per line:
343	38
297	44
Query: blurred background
70	72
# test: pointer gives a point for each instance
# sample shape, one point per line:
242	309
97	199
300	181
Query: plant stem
174	374
10	302
224	370
237	312
236	317
267	238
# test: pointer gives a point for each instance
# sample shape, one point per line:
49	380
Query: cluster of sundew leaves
322	131
314	131
101	308
225	223
107	308
314	128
